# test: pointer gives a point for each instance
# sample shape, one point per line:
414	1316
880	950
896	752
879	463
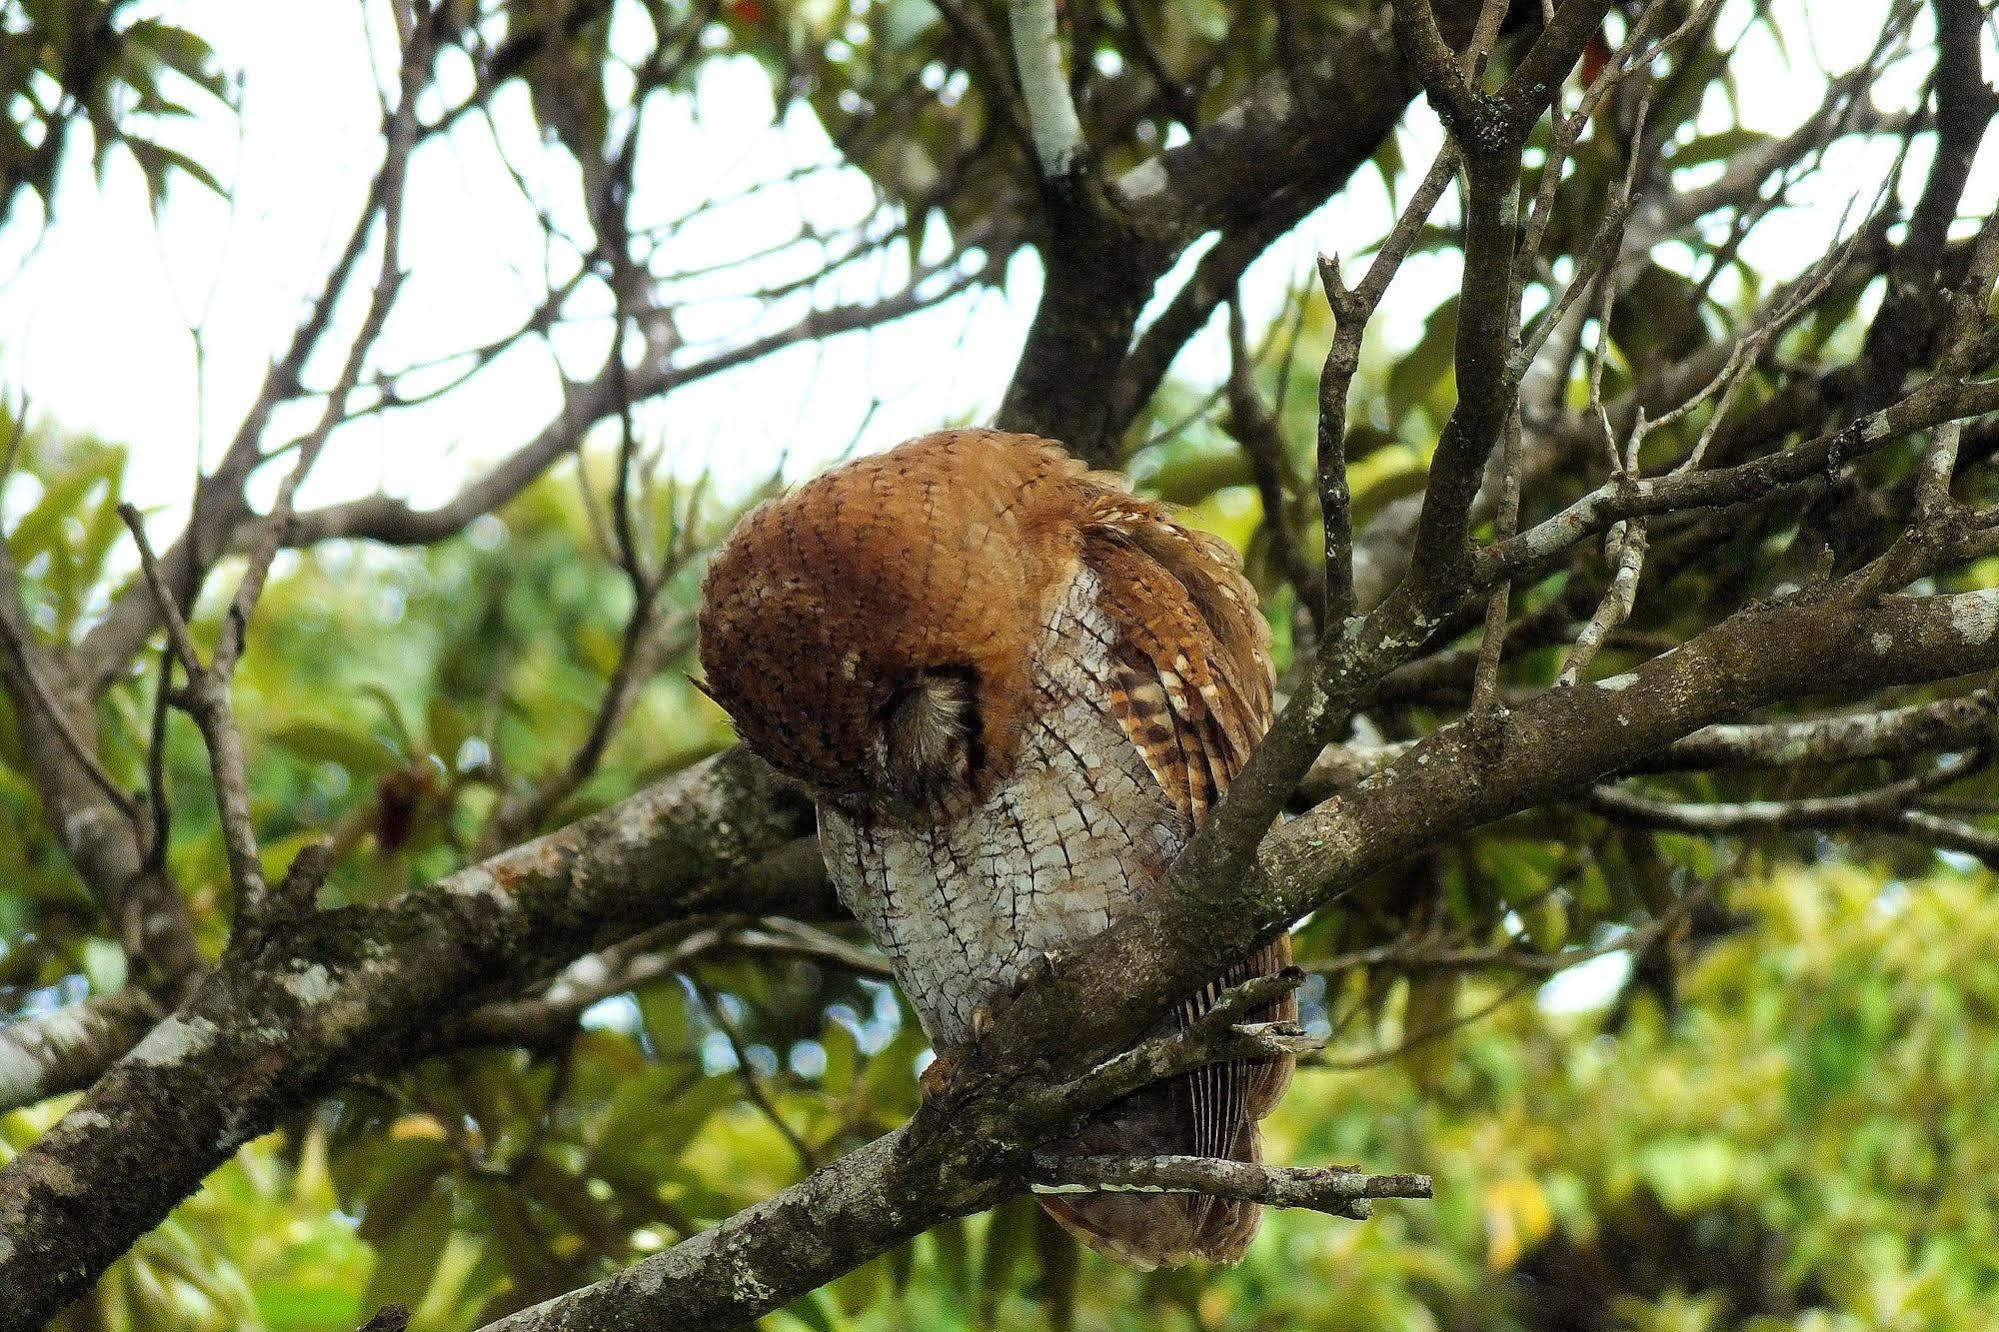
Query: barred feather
1016	691
1195	696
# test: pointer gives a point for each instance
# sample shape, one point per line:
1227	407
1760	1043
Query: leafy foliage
1770	1117
72	65
1755	1149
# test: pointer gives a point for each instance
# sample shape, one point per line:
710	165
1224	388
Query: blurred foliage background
1693	1087
1790	1134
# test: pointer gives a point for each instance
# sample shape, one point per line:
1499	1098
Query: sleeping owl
1015	690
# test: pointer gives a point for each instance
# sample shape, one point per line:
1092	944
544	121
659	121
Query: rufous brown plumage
1016	689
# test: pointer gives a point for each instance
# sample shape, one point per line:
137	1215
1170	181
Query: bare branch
1894	808
1335	1192
1485	679
1217	1035
1352	309
1258	433
1044	86
1932	404
275	1026
1921	728
993	69
1451	93
220	502
1626	542
17	638
98	824
1537	80
65	1050
1942	727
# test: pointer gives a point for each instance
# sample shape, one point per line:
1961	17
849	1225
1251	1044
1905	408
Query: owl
1015	691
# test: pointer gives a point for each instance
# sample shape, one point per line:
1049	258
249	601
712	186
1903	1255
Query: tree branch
67	1049
1462	776
1334	1191
326	994
1044	88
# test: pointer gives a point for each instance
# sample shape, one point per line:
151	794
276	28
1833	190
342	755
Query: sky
96	311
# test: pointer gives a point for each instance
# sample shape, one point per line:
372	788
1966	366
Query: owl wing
1193	692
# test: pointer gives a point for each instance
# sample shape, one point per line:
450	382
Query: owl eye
929	730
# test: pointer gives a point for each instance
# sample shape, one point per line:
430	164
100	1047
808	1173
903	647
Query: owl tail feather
1151	1230
1211	1112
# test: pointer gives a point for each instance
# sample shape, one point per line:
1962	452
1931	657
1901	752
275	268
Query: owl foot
936	1077
937	1074
1037	969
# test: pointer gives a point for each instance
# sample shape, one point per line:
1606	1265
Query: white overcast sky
95	310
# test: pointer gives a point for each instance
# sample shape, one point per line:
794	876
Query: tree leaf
359	752
407	1260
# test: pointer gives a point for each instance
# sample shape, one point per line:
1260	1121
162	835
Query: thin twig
1262	440
1626	542
1352	309
1332	1191
1485	678
752	1083
23	651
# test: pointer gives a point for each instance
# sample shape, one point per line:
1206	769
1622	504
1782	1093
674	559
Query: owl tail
1149	1230
1210	1112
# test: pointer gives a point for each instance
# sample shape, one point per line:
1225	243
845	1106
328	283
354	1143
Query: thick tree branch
1258	167
1892	809
300	1004
66	1050
323	995
1892	733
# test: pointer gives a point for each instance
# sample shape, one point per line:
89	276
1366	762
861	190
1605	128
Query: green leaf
40	530
181	51
842	1058
663	1008
407	1261
1718	147
565	1195
307	1303
1059	1257
1009	1239
1426	1027
953	1245
647	1125
1419	371
816	1311
399	722
404	1177
902	1266
156	160
359	752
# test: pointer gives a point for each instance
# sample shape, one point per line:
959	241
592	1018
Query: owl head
869	634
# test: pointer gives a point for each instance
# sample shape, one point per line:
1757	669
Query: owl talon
1033	973
936	1076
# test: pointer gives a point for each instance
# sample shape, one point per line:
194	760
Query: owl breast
1073	837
